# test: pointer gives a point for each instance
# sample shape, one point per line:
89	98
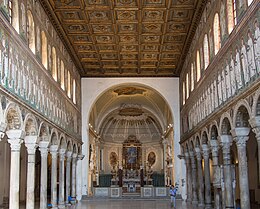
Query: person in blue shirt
173	192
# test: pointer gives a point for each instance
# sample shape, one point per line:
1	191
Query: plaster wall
92	88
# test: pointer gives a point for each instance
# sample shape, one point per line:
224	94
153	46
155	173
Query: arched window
216	34
231	15
54	64
206	51
192	77
187	86
62	75
30	31
74	91
13	11
69	85
198	65
44	50
183	93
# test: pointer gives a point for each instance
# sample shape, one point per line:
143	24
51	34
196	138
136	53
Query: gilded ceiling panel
126	37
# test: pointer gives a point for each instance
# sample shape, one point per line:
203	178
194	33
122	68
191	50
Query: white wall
92	88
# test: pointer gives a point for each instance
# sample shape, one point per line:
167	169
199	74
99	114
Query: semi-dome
131	120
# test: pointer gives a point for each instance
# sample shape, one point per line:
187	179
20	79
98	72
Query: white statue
244	62
223	85
219	89
257	46
228	83
238	70
232	76
251	56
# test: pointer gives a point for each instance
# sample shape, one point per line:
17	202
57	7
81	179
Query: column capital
15	134
214	145
74	155
198	153
62	153
54	149
43	147
205	150
15	144
31	144
225	141
69	154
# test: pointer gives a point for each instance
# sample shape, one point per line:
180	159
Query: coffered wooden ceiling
116	38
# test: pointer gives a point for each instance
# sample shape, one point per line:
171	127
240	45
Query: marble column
188	177
164	143
200	177
206	152
68	171
62	153
216	173
54	152
255	124
225	143
15	139
73	180
30	143
241	137
194	179
43	147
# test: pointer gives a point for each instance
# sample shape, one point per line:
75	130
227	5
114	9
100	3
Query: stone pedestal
194	179
68	171
206	153
30	143
241	136
54	152
43	146
62	153
226	142
200	177
15	139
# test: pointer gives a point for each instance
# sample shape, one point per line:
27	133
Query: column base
201	205
188	200
208	206
61	206
194	202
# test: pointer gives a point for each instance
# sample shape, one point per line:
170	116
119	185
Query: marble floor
130	204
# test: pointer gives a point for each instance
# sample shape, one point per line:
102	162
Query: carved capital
43	147
15	144
54	150
205	151
198	153
225	142
214	146
241	141
62	153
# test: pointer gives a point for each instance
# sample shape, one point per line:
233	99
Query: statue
251	56
244	62
257	45
232	76
238	70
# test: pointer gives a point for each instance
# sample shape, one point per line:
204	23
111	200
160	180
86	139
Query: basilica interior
120	99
